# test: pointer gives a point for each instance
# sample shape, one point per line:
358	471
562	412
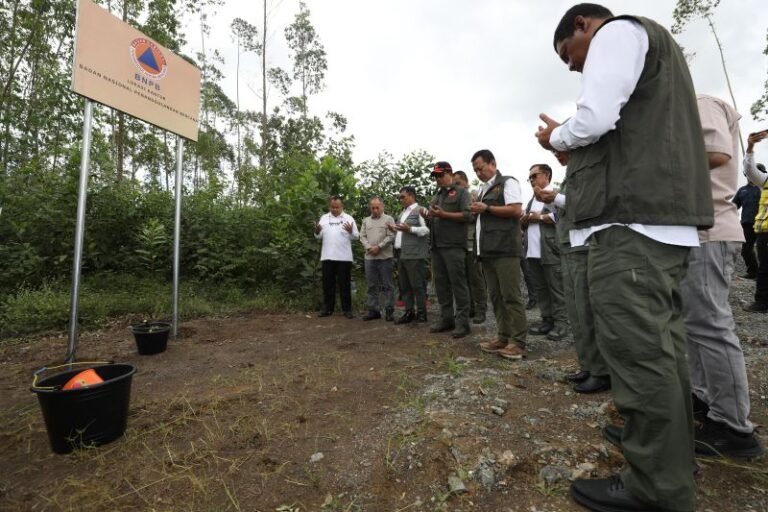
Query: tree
688	10
760	107
309	62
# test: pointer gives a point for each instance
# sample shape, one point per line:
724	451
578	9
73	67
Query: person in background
377	240
747	199
757	176
475	279
412	248
499	249
336	230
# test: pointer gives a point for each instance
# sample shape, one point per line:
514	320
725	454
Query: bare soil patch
288	413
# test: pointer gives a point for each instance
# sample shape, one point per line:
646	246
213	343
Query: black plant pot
151	337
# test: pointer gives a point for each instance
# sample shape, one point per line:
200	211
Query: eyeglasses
533	177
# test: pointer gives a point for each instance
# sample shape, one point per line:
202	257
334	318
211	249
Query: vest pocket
587	189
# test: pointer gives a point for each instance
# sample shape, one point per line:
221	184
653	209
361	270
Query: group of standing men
646	227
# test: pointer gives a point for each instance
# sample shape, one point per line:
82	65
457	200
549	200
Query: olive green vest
652	168
449	233
499	237
565	225
414	247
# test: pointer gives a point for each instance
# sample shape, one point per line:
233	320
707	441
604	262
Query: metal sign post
85	157
177	234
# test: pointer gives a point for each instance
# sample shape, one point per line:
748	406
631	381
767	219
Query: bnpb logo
147	56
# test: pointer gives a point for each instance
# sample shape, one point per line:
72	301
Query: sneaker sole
511	357
489	350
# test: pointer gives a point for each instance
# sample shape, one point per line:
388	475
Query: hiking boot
407	317
479	318
593	384
441	326
717	439
324	313
372	315
579	376
512	351
544	327
607	494
493	346
757	307
460	332
389	316
558	333
421	316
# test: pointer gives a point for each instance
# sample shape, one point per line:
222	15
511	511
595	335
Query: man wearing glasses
412	250
543	255
448	215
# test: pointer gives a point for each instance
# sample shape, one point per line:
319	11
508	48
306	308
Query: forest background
254	183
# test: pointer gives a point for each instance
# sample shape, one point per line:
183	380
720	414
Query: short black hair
410	190
336	197
566	28
761	167
485	154
462	174
544	167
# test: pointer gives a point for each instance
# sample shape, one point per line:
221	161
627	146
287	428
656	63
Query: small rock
498	411
603	409
583	470
487	477
550	475
455	485
507	458
457	454
317	457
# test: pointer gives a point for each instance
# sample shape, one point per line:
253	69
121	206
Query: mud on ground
289	413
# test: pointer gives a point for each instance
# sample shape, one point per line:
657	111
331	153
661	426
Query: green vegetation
254	183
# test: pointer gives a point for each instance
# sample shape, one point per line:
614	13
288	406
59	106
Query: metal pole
74	301
177	234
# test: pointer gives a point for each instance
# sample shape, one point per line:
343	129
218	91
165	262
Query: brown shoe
492	346
512	351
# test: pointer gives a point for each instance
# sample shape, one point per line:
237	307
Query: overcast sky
452	77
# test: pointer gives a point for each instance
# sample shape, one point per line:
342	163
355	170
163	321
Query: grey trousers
548	282
378	274
582	320
715	358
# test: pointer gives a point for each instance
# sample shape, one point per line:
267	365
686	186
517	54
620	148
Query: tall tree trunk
120	139
264	134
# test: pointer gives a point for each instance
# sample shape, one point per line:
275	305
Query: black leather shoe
608	495
389	316
479	318
421	317
460	332
348	314
757	307
407	317
612	434
557	334
544	327
441	327
579	376
324	313
593	385
715	439
372	315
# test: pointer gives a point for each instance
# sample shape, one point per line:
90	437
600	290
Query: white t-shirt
613	67
534	229
337	241
512	195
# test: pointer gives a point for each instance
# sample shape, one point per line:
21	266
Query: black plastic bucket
151	337
89	416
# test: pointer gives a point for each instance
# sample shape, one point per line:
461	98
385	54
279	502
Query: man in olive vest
412	250
543	256
499	248
638	189
448	215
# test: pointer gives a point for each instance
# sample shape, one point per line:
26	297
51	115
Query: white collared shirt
613	67
534	229
420	230
337	241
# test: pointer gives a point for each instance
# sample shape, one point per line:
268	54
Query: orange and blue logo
148	58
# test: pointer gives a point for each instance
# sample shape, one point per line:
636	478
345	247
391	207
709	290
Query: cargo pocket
587	187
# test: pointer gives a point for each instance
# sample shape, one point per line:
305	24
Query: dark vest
414	247
565	224
652	168
449	233
499	237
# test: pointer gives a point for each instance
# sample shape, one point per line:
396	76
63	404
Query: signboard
120	67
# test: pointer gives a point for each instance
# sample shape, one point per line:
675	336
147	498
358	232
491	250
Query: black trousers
337	272
761	290
748	248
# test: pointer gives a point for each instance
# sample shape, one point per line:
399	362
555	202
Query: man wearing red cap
448	215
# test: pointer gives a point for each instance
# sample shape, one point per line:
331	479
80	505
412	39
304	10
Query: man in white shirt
638	188
412	250
336	230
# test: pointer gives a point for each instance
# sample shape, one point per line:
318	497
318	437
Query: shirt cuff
559	200
556	139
